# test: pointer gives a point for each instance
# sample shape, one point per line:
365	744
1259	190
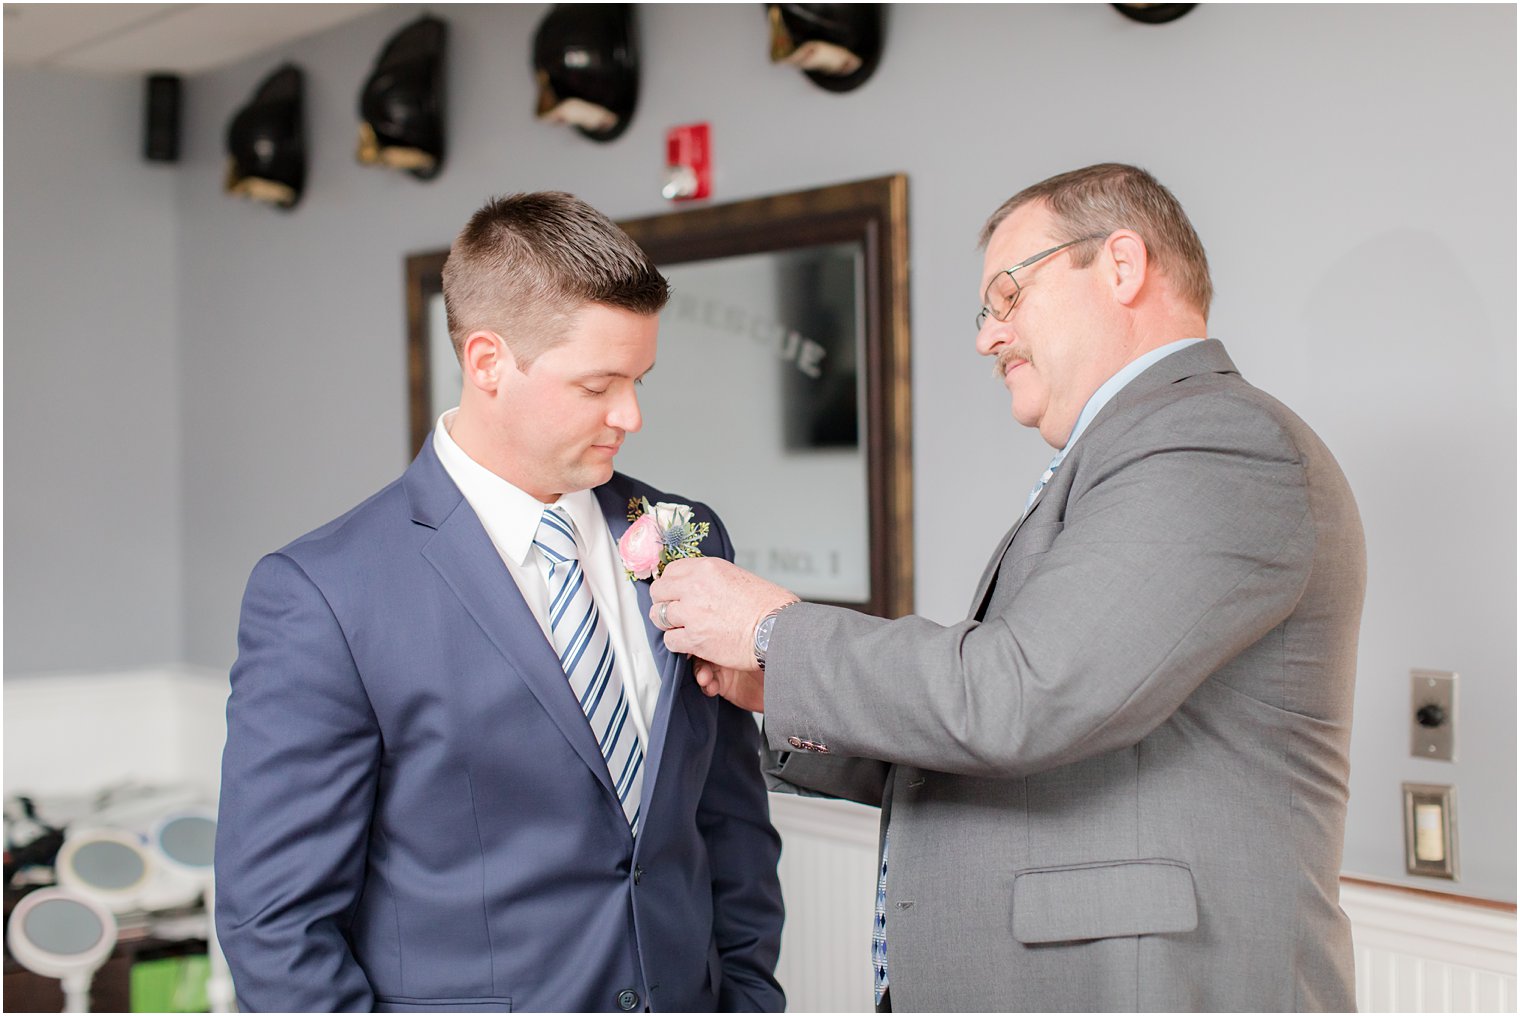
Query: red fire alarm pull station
688	163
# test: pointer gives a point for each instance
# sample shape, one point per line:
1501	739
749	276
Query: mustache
1007	355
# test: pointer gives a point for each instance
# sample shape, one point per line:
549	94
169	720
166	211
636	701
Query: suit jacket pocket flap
1109	899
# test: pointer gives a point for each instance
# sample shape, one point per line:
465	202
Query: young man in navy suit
462	771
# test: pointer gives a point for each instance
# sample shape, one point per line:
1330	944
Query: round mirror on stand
62	934
107	865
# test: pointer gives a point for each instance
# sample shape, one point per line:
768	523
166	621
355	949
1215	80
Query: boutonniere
660	533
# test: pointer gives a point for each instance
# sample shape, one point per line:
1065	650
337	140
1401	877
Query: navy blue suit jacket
414	812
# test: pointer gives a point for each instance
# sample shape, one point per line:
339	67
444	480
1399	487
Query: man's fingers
707	679
672	579
677	641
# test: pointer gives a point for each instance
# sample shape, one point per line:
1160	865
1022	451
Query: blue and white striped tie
586	654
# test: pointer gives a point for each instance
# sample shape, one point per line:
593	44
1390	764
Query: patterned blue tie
879	927
585	653
1050	471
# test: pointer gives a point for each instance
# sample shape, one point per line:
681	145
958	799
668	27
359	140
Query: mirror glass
444	375
758	371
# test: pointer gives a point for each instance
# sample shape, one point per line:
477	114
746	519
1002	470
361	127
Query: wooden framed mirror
780	395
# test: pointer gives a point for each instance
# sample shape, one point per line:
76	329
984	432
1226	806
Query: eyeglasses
1003	291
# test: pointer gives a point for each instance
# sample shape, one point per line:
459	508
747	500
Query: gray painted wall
93	535
1350	168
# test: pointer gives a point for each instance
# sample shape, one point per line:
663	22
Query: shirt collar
1113	386
509	514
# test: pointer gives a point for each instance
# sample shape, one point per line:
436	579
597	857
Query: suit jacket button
795	742
638	875
628	1000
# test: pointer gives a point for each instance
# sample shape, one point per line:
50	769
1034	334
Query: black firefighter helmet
587	67
401	109
1154	14
836	45
266	142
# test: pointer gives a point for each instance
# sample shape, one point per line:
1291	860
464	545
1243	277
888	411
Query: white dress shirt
510	517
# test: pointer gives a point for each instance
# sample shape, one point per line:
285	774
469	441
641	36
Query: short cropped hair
525	263
1100	199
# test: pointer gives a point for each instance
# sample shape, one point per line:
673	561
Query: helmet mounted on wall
401	109
587	67
836	45
266	142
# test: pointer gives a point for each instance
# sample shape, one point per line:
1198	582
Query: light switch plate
1430	830
1438	689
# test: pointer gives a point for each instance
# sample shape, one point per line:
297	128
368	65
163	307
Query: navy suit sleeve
298	788
743	849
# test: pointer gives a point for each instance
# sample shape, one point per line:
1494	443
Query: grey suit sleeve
862	780
1182	543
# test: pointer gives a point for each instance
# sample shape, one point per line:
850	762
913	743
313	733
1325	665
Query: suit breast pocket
1107	899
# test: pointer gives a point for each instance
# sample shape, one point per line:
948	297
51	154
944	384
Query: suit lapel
613	498
984	587
464	556
1207	357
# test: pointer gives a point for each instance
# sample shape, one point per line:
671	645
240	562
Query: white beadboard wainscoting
1414	953
828	880
1420	954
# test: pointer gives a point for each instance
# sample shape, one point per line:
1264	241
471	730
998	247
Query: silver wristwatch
763	634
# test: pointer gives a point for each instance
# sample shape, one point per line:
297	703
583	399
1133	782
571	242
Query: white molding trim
1423	954
72	734
1447	931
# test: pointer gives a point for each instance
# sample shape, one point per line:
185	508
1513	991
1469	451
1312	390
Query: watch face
763	633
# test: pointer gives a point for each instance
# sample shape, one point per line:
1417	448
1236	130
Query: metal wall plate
1433	715
1430	830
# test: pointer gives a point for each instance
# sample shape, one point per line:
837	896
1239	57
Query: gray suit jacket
1121	783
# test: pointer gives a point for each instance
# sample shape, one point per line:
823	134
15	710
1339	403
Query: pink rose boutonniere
660	533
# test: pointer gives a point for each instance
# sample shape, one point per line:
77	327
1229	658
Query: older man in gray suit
1121	782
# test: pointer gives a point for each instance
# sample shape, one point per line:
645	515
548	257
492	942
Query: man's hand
744	688
711	608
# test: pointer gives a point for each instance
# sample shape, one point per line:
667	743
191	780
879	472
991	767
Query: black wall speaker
161	130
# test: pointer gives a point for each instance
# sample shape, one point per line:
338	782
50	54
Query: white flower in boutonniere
660	533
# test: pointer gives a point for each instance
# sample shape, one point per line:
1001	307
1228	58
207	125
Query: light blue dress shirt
1099	399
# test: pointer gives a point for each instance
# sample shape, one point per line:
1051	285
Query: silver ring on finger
665	624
